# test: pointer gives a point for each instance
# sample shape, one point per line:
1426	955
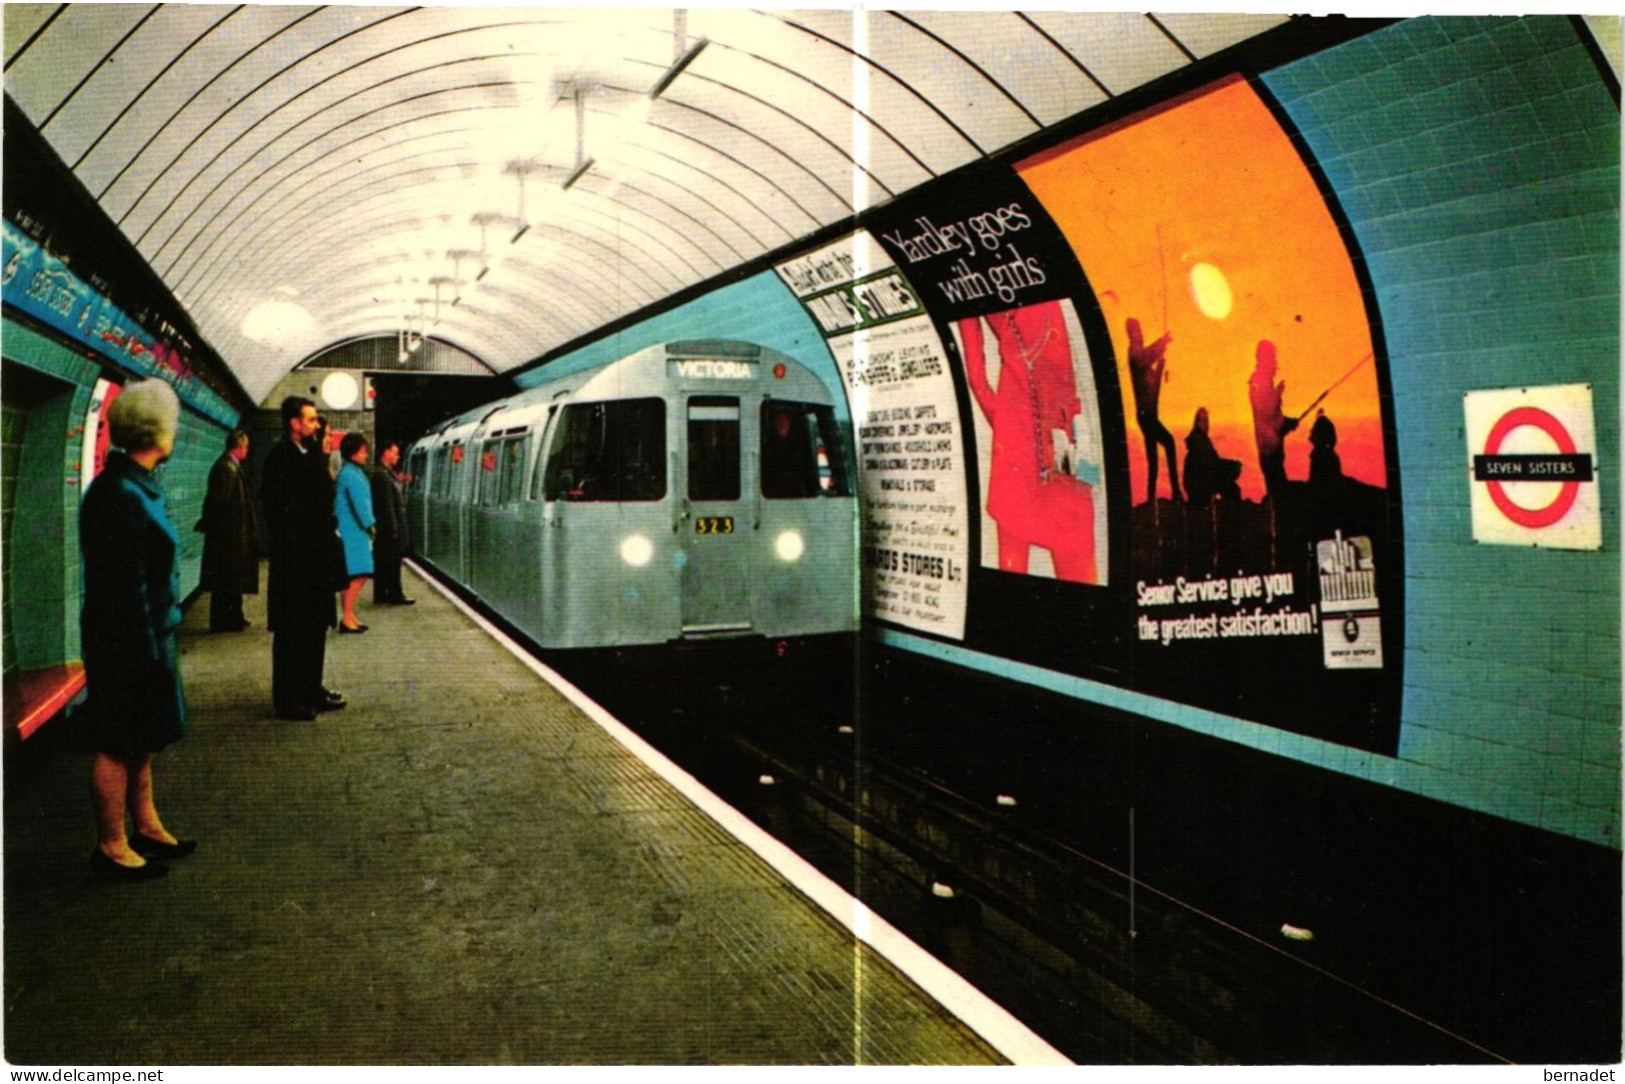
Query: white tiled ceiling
302	176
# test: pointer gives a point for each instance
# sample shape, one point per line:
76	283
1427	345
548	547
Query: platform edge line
986	1017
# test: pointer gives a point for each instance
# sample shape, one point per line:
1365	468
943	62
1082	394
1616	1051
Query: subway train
690	492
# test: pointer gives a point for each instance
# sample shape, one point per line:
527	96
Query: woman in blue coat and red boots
131	610
352	506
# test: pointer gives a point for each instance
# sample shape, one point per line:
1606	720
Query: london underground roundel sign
1532	467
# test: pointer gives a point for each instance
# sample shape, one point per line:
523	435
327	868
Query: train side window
713	448
512	470
414	470
490	472
448	476
800	452
442	473
611	451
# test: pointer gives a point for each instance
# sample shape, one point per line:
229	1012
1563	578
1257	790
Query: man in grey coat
394	540
231	553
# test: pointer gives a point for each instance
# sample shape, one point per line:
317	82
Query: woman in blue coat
352	504
127	633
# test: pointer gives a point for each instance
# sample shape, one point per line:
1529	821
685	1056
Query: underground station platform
471	864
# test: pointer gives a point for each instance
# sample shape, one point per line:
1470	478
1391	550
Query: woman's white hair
144	413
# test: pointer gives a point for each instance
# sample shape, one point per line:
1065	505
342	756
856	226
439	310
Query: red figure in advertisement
1030	495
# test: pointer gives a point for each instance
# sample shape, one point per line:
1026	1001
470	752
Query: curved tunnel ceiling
304	176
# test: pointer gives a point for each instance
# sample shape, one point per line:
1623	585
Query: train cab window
713	448
800	452
613	451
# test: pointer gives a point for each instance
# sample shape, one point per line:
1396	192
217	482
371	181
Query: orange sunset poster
1200	221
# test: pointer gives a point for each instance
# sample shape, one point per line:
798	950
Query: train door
714	526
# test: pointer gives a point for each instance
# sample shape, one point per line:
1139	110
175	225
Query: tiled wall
43	603
13	426
1477	160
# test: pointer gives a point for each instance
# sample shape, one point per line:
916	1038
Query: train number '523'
713	525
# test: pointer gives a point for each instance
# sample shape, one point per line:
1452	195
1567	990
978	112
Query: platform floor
460	868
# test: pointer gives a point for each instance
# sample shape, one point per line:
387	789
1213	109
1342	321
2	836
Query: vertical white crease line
860	101
860	349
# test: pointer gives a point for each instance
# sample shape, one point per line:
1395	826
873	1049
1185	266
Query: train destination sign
713	369
1532	454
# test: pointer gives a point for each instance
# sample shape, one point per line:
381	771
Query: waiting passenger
231	550
393	539
297	495
352	505
127	628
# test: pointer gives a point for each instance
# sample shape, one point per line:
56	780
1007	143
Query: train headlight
789	546
636	550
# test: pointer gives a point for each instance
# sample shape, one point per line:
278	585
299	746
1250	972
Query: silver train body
691	491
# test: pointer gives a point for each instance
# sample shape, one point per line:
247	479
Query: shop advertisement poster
910	451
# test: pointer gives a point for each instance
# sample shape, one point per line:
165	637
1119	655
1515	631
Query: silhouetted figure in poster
1147	366
1033	501
1325	465
1270	423
1207	474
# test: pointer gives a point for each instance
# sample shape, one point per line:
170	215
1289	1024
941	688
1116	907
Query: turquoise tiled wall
44	607
759	309
1477	160
13	429
186	480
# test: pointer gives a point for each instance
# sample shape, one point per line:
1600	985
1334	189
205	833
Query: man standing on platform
231	551
297	494
394	540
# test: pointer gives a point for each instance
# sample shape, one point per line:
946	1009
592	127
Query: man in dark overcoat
231	553
296	493
394	540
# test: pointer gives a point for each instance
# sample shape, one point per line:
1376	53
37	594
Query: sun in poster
1243	347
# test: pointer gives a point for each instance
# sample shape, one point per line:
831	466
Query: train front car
690	493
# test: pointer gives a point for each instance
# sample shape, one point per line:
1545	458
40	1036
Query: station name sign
1533	471
1532	468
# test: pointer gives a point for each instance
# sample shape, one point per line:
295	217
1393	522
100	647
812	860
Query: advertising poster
1038	443
1251	392
906	426
992	268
